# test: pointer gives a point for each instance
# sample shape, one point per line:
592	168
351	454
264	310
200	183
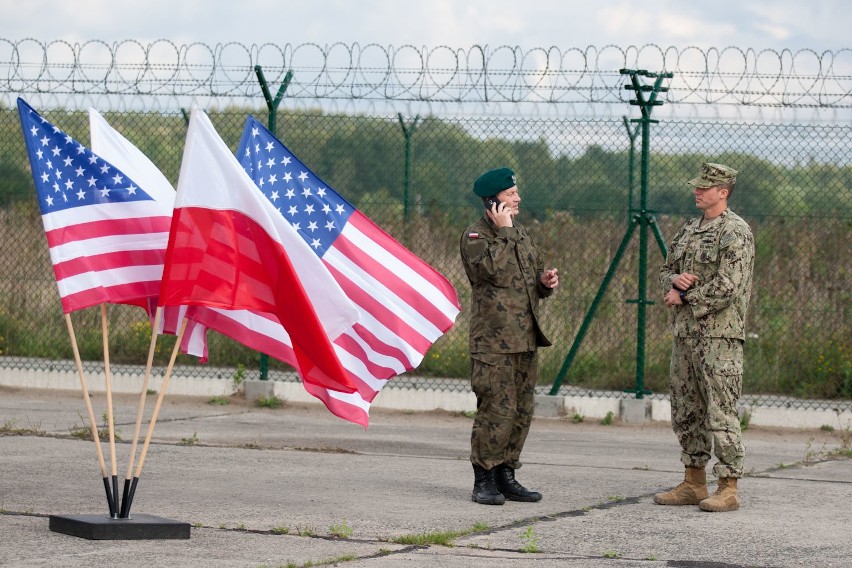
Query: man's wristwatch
682	294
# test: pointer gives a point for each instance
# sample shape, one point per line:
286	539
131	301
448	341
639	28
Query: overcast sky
761	24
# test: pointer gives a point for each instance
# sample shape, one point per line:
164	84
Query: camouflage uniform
504	267
709	330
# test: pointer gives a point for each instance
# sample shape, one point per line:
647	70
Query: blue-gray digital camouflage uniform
504	267
709	331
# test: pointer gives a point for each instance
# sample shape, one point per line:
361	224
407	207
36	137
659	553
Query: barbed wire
479	74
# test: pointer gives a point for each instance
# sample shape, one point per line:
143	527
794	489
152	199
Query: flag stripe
149	227
106	261
374	306
387	282
430	285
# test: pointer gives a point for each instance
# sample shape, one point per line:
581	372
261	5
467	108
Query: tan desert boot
690	492
724	499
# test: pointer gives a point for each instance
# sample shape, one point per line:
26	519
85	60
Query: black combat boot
510	488
484	488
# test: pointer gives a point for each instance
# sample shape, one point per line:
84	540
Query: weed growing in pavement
745	419
341	530
219	400
608	419
190	441
530	540
269	402
281	529
611	554
577	418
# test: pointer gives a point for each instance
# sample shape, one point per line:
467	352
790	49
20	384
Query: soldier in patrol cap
507	278
706	282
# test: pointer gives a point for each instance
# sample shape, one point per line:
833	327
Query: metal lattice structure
556	116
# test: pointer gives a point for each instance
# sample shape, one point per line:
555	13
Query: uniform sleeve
671	267
736	261
487	259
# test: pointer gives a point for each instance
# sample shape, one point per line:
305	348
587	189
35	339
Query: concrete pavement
296	486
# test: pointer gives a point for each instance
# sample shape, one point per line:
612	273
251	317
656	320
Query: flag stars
273	178
44	177
81	149
340	209
104	192
287	176
69	185
274	196
293	210
67	162
321	192
34	130
303	176
312	226
316	243
93	159
40	154
326	209
55	150
290	193
117	179
44	141
309	209
285	161
68	139
306	192
81	195
330	225
49	201
79	171
269	147
270	162
104	169
131	190
92	181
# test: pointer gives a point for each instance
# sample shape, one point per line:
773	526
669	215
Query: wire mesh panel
577	191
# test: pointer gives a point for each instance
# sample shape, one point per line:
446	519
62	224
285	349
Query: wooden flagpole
92	422
125	503
110	414
154	415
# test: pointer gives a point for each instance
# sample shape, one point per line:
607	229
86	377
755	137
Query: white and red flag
404	304
230	250
109	144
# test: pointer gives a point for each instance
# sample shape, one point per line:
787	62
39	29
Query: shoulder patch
727	239
473	235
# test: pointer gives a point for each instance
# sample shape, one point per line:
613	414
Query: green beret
712	175
493	182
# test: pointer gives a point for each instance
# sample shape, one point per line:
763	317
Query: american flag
106	235
405	305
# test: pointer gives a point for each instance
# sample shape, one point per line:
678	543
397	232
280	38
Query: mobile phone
491	202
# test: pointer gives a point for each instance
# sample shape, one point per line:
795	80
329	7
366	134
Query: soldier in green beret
707	284
507	277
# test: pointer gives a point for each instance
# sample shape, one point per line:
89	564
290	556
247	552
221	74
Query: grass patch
190	441
341	530
218	401
269	402
608	419
530	541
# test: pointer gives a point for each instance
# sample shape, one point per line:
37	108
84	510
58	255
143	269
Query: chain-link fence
574	172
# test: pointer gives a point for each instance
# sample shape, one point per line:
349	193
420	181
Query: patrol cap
493	182
712	175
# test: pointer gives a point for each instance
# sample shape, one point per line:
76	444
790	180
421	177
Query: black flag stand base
100	527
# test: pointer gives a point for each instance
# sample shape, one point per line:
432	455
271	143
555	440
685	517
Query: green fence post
272	105
407	132
643	217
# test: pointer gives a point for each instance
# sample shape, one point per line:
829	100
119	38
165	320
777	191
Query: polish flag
230	249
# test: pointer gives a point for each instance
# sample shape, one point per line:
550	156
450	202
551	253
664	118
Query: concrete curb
416	399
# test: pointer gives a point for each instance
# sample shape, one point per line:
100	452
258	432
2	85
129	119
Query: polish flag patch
473	235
